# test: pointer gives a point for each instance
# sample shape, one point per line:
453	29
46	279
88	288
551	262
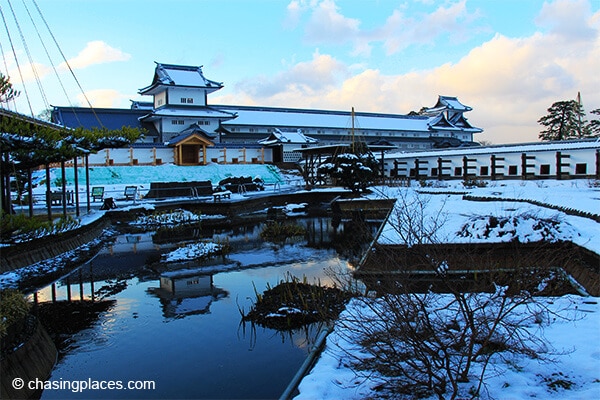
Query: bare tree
425	332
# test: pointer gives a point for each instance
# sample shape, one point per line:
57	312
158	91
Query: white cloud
400	31
96	52
103	98
303	79
28	72
327	25
509	82
564	18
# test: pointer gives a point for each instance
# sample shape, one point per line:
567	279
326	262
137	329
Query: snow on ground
173	217
575	337
575	353
574	333
456	213
114	179
192	251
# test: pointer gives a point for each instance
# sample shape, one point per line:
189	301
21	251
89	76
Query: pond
179	325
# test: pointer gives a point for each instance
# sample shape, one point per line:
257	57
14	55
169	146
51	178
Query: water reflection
202	351
186	294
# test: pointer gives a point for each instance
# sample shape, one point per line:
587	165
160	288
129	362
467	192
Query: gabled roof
195	128
181	76
446	103
451	103
289	137
456	122
191	138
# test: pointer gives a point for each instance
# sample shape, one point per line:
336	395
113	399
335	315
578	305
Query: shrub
19	227
278	232
13	307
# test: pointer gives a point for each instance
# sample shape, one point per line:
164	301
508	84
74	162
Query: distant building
284	145
180	104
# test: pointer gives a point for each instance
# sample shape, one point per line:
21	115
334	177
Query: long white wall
166	155
578	160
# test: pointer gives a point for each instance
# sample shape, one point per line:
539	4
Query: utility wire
31	63
16	60
50	59
67	63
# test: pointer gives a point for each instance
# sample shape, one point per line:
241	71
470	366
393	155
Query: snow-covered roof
189	133
189	112
302	118
179	75
290	137
457	122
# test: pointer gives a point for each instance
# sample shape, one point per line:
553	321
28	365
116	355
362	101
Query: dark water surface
179	325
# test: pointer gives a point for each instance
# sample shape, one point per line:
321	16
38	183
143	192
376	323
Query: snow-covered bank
464	221
573	373
573	332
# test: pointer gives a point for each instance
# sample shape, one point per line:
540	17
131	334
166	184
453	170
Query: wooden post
76	177
87	181
63	177
417	169
130	155
29	193
154	156
597	164
48	193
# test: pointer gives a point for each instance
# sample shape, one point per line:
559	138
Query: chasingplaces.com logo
79	386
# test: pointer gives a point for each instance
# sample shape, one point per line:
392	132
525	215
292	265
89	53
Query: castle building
180	106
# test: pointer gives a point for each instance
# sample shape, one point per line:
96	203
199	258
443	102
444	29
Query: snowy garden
559	337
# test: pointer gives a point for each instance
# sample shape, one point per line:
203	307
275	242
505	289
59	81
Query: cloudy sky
509	60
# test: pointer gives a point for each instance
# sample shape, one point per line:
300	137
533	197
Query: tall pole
87	181
579	114
352	131
76	177
63	177
48	193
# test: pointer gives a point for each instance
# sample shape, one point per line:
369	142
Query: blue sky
509	60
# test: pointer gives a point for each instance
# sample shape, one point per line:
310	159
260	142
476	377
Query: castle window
177	122
187	100
581	169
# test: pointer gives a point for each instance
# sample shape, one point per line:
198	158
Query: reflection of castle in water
182	294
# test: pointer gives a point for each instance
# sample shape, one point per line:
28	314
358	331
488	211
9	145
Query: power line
16	60
66	62
31	63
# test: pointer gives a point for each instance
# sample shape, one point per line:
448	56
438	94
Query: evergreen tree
565	120
7	92
356	169
594	125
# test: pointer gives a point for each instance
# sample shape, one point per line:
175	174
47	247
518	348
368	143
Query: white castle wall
166	155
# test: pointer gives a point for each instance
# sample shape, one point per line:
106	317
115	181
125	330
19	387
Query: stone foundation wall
33	251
